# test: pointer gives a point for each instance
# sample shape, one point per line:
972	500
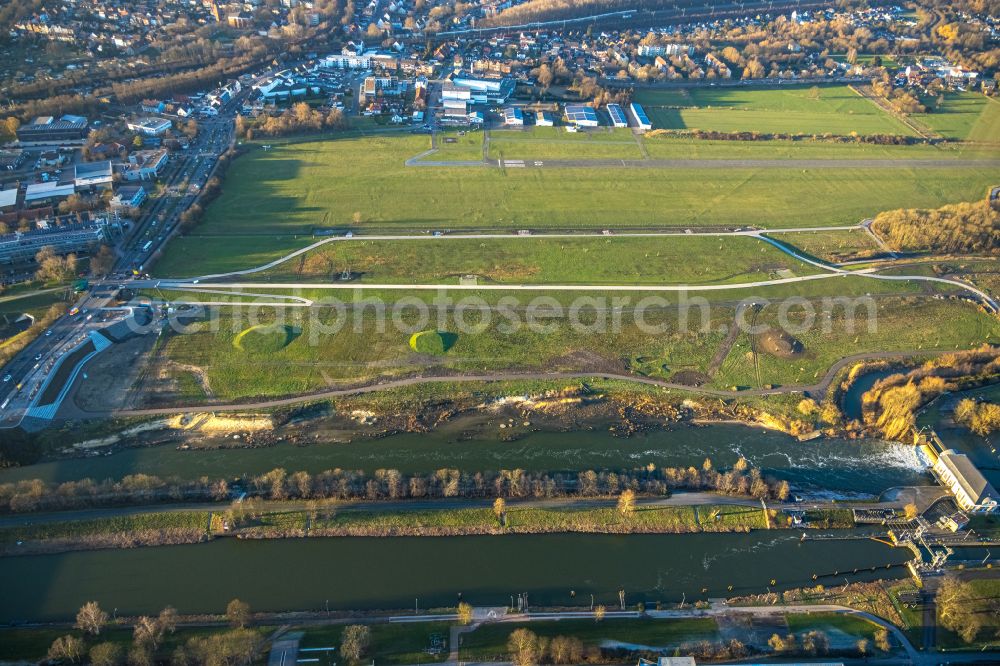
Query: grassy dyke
539	260
143	529
520	520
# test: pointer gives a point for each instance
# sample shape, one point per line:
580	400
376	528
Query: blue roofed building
641	119
617	114
581	115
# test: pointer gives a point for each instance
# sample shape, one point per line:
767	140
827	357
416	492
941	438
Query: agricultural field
538	260
791	110
964	116
293	189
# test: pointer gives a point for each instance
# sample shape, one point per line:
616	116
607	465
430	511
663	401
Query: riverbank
314	520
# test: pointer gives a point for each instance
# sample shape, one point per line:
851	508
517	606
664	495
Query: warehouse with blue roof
641	119
581	115
617	114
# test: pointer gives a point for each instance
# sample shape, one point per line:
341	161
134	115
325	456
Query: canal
830	465
367	573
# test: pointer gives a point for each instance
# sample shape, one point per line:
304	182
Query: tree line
390	484
298	119
890	406
982	418
239	645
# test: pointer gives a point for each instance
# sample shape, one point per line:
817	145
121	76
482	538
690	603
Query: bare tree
464	613
355	641
238	613
91	619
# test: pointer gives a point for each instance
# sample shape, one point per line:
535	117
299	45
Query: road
708	164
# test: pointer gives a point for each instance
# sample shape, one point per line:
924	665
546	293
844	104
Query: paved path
679	498
710	165
828	270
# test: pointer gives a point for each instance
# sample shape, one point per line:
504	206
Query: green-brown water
837	466
358	573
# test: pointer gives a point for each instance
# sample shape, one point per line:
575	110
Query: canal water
851	401
364	573
830	465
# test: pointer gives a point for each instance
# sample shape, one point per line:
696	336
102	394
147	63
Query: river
366	573
829	465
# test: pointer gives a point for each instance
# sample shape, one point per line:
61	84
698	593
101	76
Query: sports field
790	110
296	188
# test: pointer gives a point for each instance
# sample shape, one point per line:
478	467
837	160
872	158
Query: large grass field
294	188
540	143
789	110
356	344
964	117
614	260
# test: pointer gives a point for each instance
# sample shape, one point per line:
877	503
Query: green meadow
788	110
539	260
272	200
964	116
357	344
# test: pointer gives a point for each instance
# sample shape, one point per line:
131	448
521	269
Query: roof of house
8	197
968	475
92	169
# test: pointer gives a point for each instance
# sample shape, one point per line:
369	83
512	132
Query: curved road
830	270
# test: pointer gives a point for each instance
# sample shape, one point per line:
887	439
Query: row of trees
278	484
982	418
238	646
298	119
890	406
956	228
526	648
